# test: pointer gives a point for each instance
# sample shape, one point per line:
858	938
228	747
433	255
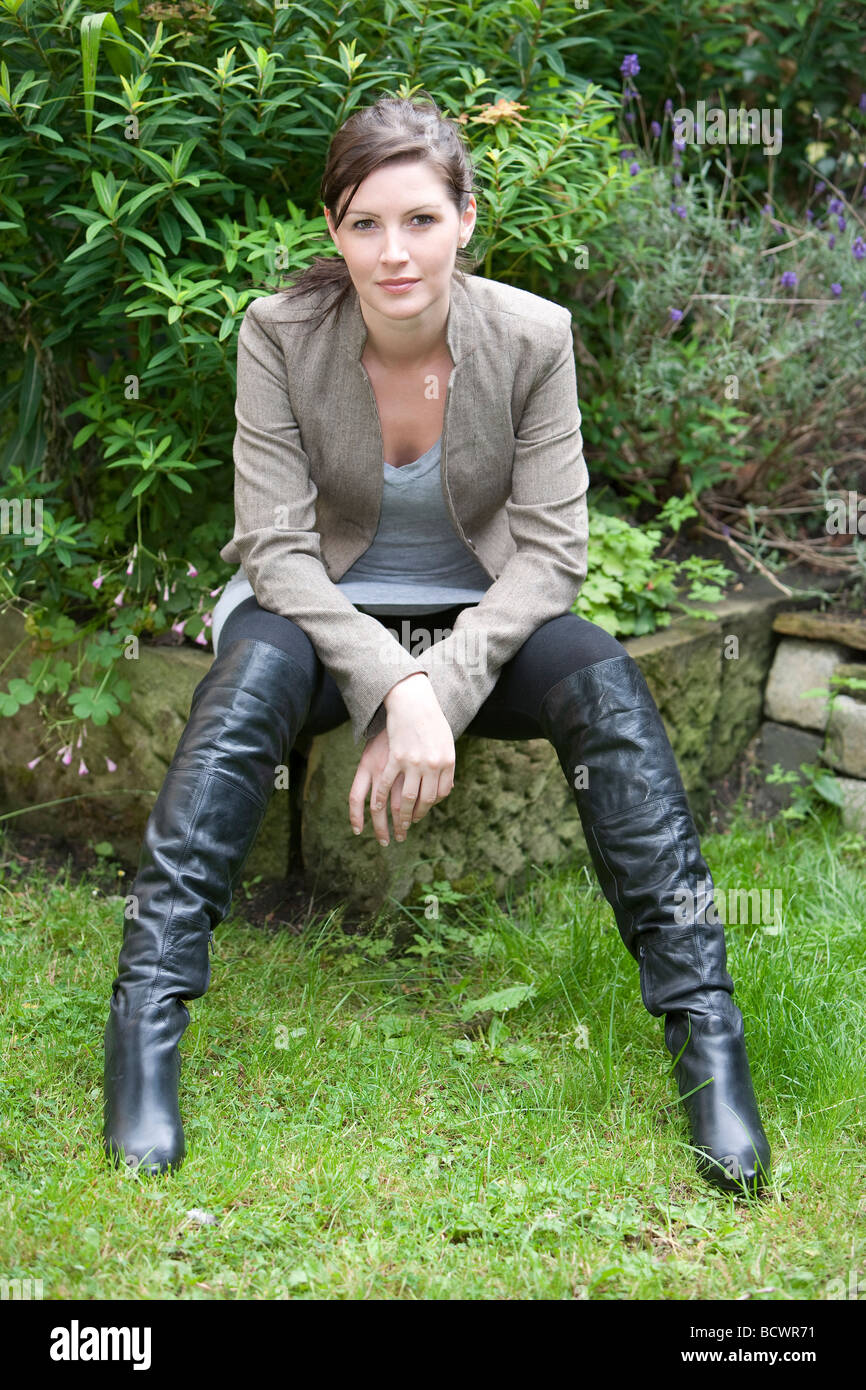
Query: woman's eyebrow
360	212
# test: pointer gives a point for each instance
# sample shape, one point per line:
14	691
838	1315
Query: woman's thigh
511	711
555	650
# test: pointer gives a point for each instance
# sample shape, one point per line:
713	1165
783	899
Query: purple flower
835	205
831	241
836	288
626	154
630	67
677	180
840	221
789	278
679	143
810	216
767	208
634	168
820	186
676	159
858	248
862	102
655	129
680	212
676	315
669	106
629	93
629	115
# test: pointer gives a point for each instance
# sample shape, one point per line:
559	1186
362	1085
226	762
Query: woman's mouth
396	286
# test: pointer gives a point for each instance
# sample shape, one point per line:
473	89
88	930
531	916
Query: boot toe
147	1156
732	1172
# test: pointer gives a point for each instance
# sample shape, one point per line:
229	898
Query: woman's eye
362	221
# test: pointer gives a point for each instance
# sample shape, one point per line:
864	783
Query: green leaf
188	213
30	395
179	482
500	1001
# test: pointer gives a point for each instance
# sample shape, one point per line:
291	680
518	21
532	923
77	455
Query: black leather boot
244	717
614	751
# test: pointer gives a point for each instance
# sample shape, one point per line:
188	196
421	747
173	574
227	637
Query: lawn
358	1128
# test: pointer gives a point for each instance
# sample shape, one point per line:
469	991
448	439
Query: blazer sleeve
547	515
280	548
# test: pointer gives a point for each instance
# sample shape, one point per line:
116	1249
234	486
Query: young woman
408	445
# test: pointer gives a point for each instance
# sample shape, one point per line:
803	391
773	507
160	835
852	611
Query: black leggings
511	711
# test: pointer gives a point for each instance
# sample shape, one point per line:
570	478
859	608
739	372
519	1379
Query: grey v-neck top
416	562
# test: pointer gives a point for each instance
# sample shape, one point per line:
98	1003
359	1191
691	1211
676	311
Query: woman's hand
413	757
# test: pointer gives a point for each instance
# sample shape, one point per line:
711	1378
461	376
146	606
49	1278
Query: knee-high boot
615	754
245	715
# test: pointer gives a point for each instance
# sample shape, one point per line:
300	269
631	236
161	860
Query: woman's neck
404	345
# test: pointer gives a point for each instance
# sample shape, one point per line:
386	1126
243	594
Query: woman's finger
358	795
379	797
404	798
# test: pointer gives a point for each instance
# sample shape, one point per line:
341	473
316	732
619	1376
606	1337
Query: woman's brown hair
393	128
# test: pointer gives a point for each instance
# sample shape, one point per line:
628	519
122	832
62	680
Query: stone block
789	747
845	745
141	741
510	809
853	804
852	670
800	665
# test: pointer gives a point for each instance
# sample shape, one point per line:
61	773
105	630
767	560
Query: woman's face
402	225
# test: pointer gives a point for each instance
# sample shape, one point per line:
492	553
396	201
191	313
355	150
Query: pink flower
165	594
83	770
129	567
34	761
112	767
99	580
119	600
67	754
191	571
207	618
201	639
179	626
213	592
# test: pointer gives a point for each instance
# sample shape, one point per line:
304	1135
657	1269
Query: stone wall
511	808
803	726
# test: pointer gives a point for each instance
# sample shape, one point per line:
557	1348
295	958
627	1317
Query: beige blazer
308	455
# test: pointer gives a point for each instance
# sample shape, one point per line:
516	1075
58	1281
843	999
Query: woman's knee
252	622
571	643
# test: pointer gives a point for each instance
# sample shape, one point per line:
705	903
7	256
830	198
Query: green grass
353	1140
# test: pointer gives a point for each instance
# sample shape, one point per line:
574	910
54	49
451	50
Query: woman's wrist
411	676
